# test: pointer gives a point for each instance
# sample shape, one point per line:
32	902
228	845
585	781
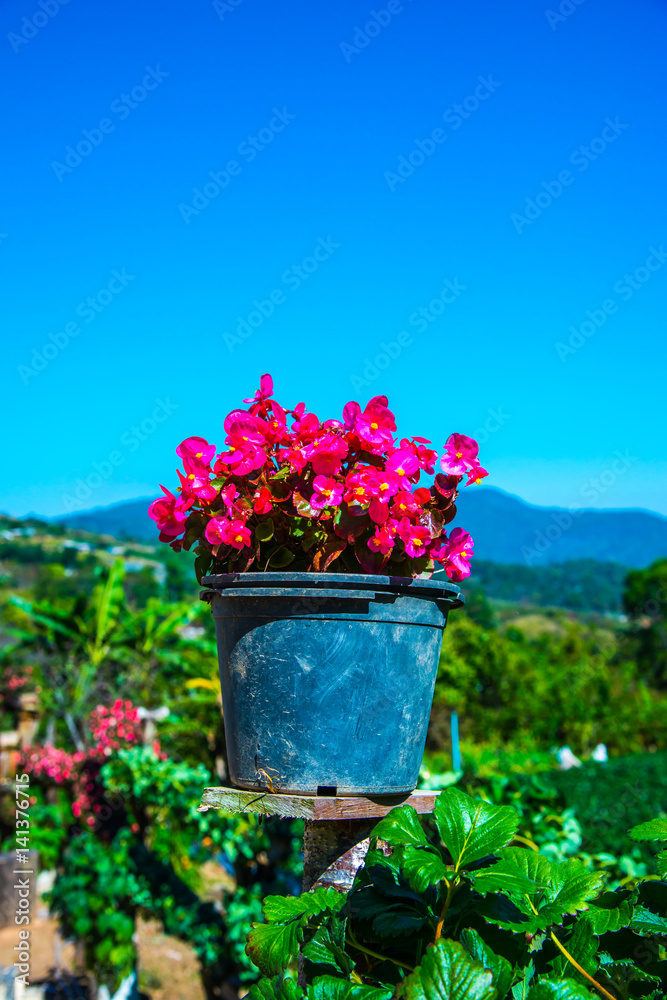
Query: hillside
506	529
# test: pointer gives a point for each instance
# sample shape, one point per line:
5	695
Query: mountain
505	528
128	519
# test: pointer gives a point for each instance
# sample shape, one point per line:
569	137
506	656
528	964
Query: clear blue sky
317	118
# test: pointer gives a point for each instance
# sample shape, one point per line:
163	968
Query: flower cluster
50	764
308	494
115	728
112	729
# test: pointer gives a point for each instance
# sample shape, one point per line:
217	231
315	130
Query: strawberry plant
470	917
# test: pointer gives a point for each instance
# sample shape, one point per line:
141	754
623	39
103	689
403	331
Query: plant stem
579	968
443	913
383	958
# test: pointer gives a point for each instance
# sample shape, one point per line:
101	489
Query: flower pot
327	678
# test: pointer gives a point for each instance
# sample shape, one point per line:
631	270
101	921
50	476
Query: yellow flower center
384	486
239	538
459	454
359	490
199	454
191	476
374	427
400	472
327	493
417	541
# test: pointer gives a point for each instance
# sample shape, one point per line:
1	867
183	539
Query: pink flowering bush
290	490
112	729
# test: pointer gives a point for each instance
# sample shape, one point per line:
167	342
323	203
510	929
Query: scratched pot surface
338	705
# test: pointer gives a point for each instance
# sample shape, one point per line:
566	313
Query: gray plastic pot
327	678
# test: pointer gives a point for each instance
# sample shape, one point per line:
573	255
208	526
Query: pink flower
228	495
375	425
326	454
327	493
351	411
265	390
169	514
404	504
425	456
242	460
476	474
415	537
383	540
460	455
306	427
216	530
196	482
197	451
262	501
456	554
295	457
245	430
384	485
358	486
404	464
238	535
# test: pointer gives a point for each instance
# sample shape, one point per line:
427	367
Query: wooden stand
336	829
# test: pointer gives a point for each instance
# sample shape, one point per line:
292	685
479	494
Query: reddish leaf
302	505
434	520
325	555
348	525
450	513
447	485
371	562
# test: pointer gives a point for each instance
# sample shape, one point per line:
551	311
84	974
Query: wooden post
336	829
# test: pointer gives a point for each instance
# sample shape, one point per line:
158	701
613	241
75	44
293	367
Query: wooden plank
315	807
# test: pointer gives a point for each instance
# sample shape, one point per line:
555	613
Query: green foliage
580	584
561	682
609	798
645	602
488	921
95	898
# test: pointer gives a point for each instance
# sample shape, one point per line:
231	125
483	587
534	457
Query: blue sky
370	236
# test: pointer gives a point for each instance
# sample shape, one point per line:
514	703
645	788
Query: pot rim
410	586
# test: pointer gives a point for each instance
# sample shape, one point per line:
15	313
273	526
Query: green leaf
447	972
330	988
327	947
645	923
264	530
558	989
389	901
498	966
622	972
272	947
281	557
655	829
557	889
520	989
470	828
401	826
283	908
610	912
423	868
582	944
280	988
661	863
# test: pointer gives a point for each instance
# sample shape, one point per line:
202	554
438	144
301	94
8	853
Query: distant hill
125	520
505	529
509	530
